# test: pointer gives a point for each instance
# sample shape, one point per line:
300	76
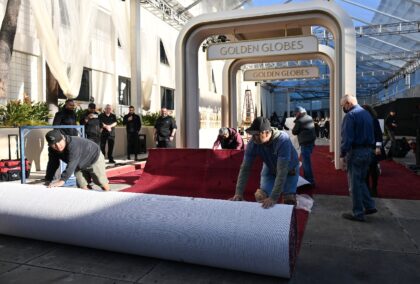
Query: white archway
266	20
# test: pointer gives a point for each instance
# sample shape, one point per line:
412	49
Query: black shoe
112	161
351	217
371	211
128	158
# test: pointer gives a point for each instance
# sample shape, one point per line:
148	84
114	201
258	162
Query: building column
136	92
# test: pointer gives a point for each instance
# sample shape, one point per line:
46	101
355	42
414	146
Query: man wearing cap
279	174
357	141
92	124
305	130
83	157
229	138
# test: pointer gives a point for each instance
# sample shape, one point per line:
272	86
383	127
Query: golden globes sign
281	73
257	48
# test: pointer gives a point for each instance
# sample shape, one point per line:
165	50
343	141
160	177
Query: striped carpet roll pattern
225	234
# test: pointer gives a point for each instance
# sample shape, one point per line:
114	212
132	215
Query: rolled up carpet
232	235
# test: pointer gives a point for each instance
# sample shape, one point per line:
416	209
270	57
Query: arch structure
251	24
230	107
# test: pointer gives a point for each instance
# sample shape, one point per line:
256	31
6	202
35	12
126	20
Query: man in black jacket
164	131
82	156
391	125
132	123
108	122
67	116
92	124
305	130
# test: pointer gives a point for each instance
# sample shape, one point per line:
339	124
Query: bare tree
7	38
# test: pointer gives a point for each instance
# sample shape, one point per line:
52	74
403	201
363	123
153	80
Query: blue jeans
268	178
306	152
358	161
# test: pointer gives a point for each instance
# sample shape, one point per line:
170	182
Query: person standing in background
390	127
357	140
90	120
132	124
67	116
108	122
305	130
164	131
378	153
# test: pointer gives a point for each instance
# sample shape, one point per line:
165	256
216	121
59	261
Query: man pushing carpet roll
280	172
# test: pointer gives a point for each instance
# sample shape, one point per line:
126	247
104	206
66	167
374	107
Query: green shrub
17	113
149	119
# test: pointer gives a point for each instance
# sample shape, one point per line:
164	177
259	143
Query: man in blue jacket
280	172
357	140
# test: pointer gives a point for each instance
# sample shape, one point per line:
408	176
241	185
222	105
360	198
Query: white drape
149	66
64	36
121	18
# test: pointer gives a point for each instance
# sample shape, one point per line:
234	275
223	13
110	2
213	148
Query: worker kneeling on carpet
280	171
83	157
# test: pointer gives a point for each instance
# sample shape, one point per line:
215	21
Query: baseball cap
259	124
53	136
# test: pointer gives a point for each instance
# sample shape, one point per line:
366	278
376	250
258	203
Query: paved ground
386	249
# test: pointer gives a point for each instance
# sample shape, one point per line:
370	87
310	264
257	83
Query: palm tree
7	38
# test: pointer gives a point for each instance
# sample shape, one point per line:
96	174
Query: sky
353	10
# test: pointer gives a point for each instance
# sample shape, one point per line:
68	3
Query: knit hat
300	109
259	124
53	136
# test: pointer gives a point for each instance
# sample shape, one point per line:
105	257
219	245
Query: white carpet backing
233	235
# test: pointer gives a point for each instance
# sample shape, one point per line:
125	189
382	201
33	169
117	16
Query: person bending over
83	157
229	138
280	172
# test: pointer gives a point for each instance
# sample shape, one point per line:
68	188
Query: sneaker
371	211
351	217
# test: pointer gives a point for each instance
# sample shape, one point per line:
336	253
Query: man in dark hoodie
280	172
67	116
305	130
83	157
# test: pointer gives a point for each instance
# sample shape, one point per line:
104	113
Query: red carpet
126	178
395	181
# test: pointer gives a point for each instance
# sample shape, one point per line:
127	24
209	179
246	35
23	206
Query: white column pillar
136	95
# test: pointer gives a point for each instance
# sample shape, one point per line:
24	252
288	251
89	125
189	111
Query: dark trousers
106	137
390	137
373	175
132	143
165	143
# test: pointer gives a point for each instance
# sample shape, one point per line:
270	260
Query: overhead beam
375	10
